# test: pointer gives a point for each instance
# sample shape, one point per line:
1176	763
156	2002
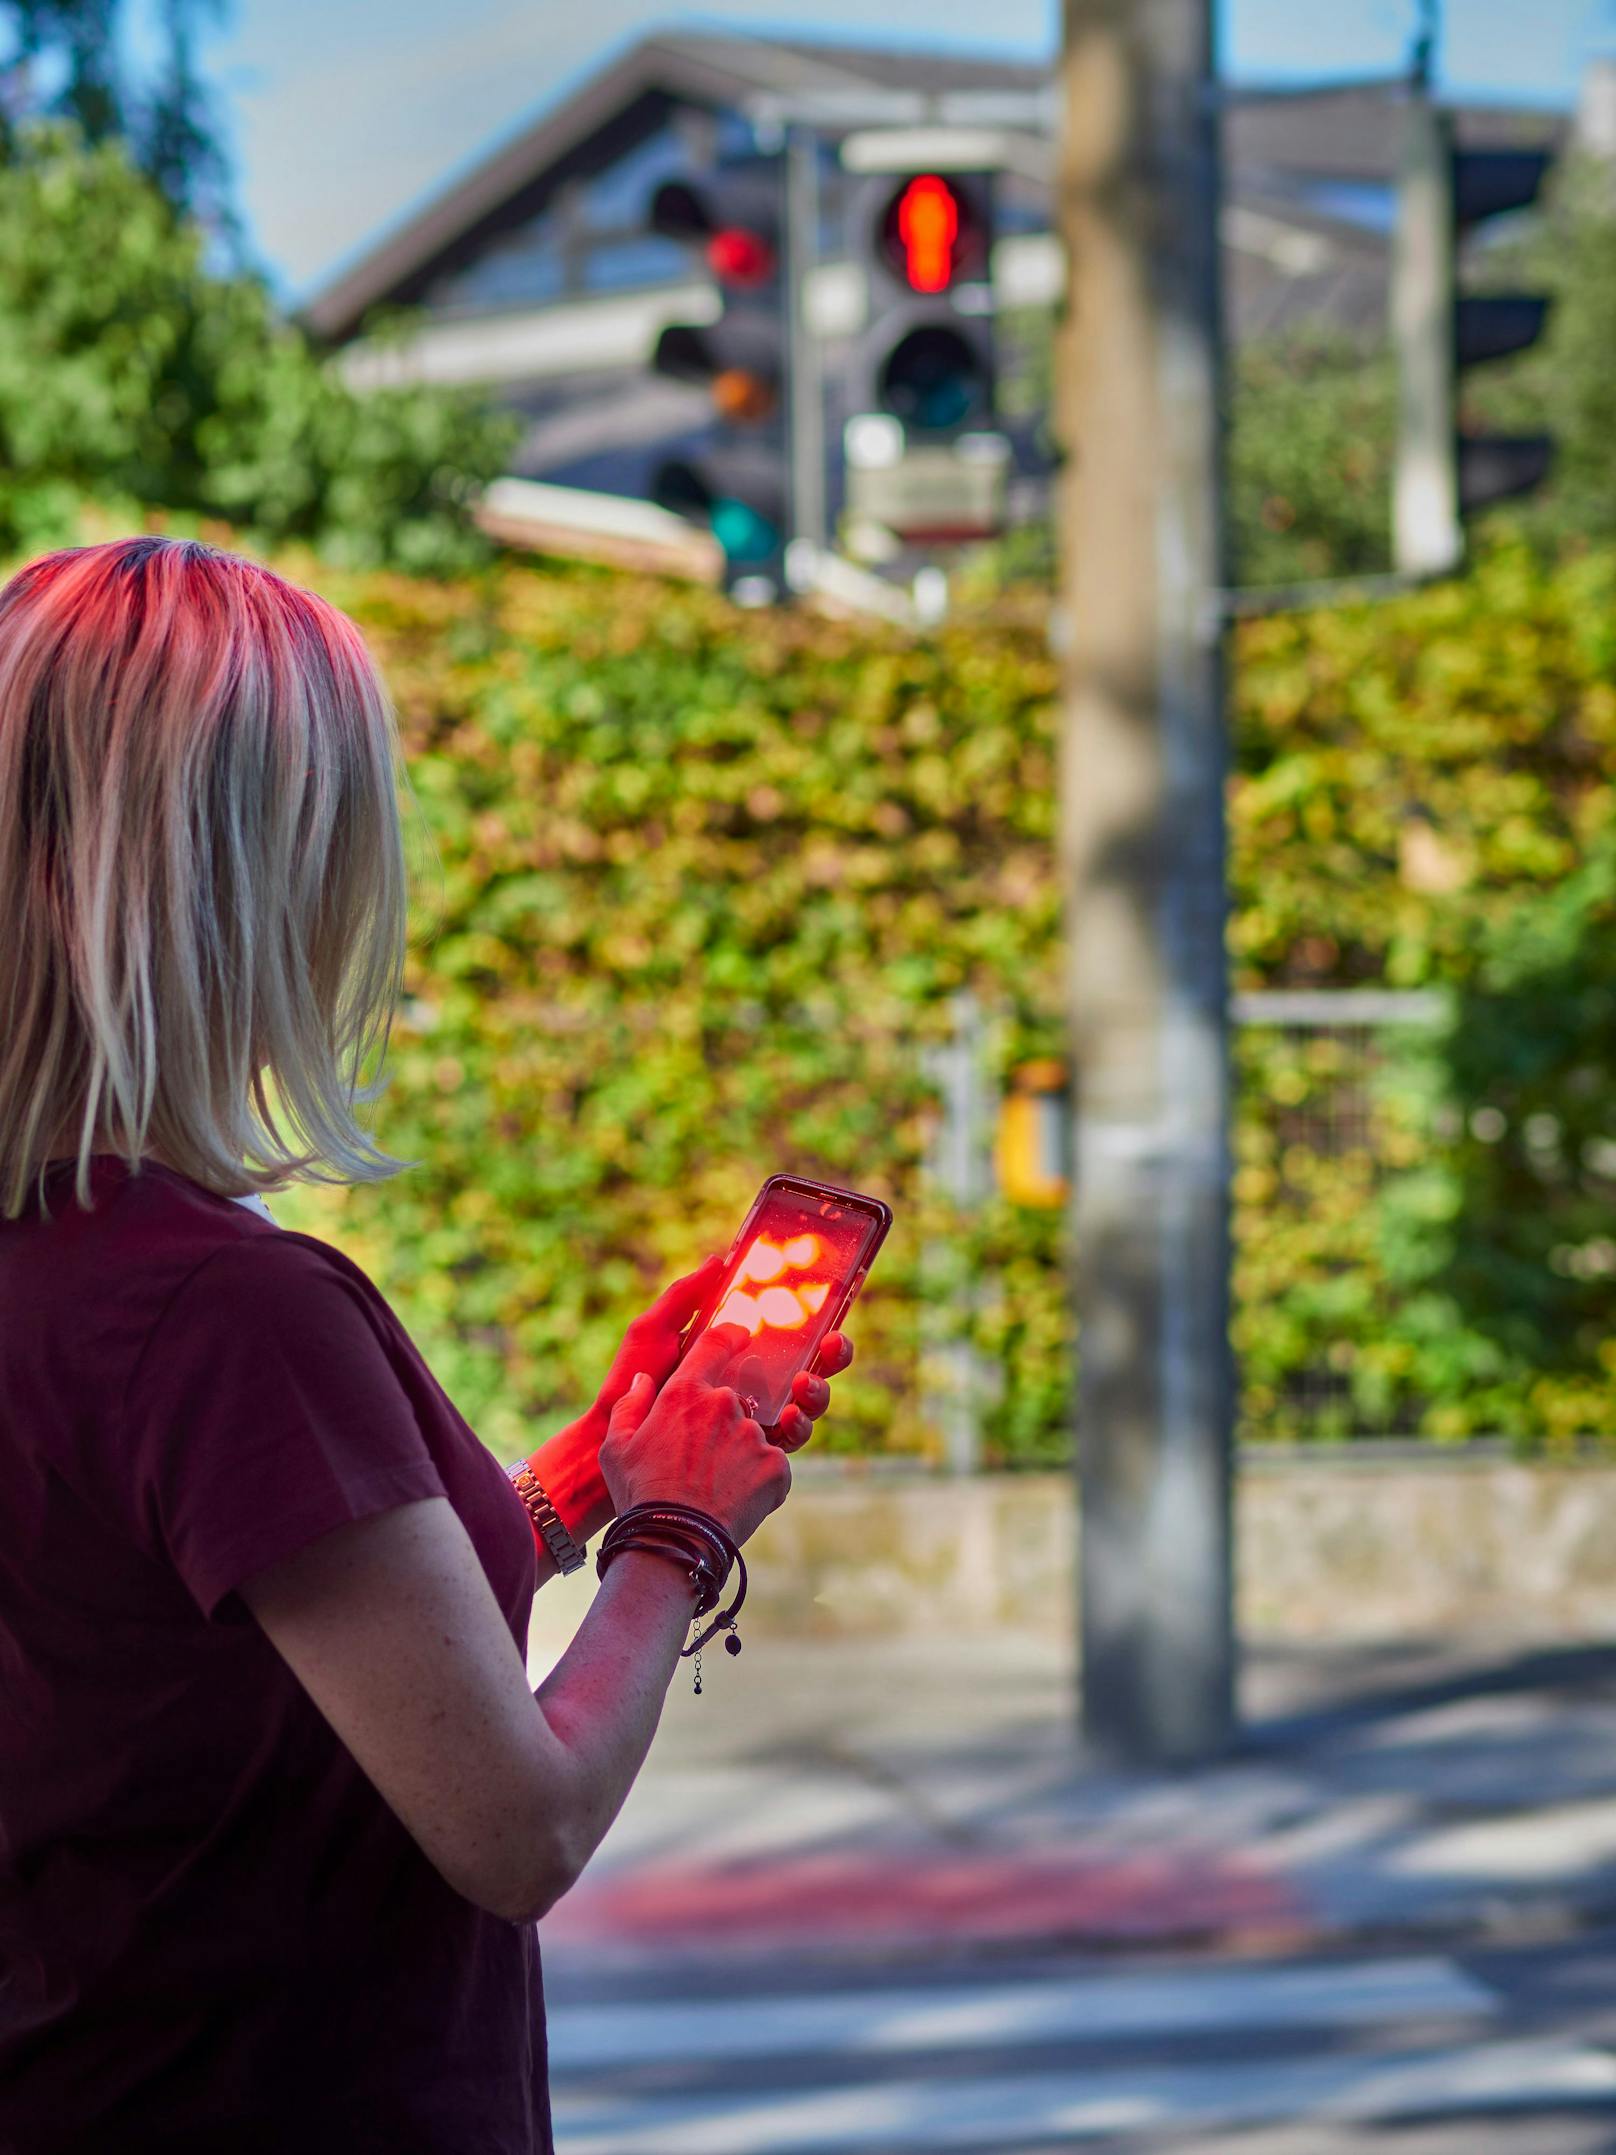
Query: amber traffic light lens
740	394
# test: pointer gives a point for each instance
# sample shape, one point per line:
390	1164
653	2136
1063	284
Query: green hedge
710	878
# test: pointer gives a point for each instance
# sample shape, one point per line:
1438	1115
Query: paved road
1498	2052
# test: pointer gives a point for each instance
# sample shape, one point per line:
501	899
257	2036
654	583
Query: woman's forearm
603	1698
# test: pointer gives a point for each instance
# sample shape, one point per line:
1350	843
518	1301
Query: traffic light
737	482
1444	472
923	455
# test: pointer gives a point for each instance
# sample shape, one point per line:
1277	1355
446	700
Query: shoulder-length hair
202	874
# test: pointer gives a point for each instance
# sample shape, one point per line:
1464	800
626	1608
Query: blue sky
344	115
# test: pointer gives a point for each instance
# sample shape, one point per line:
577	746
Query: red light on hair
928	226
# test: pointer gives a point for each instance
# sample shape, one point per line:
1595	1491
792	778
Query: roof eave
336	311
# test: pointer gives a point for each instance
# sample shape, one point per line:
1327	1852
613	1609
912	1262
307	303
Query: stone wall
1372	1542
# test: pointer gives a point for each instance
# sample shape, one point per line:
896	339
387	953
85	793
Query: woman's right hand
691	1444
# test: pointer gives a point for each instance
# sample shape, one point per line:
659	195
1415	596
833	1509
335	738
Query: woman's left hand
651	1343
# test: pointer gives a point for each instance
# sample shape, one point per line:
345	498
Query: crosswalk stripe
874	2021
1078	2105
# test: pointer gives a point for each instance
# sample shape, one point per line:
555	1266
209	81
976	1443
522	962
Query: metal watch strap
567	1553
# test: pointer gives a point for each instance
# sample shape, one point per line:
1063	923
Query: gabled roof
1347	131
706	69
1353	130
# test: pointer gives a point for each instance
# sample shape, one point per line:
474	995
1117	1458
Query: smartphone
802	1253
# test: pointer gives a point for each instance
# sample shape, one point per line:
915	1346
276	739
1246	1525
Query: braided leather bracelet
694	1540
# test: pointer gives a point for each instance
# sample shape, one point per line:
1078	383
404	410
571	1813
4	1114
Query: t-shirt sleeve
263	1412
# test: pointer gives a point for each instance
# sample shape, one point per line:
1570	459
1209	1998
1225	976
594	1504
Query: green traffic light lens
933	381
743	533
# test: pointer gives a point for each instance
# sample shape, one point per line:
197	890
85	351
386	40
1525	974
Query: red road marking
824	1897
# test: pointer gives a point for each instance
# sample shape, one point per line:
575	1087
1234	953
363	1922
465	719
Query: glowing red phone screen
802	1248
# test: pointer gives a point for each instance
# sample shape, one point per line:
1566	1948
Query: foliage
131	377
171	133
710	879
1423	797
1312	428
1507	1242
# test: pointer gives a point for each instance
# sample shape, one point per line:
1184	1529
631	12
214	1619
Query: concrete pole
1142	761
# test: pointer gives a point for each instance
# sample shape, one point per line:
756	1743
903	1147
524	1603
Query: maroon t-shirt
214	1934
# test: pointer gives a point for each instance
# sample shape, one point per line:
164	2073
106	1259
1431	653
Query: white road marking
870	2022
1079	2105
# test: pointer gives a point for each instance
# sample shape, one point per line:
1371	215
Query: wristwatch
567	1553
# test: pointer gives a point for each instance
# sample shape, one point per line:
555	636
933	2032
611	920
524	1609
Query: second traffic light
737	480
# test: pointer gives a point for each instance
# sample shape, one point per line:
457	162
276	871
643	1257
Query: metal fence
1332	1045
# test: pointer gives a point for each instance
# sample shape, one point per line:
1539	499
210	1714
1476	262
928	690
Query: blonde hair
202	871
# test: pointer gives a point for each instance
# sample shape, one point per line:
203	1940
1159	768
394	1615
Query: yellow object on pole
1029	1144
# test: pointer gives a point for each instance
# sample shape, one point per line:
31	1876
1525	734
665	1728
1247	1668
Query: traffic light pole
1142	761
1427	536
805	403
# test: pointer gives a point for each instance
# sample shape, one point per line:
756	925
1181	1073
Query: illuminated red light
928	226
736	256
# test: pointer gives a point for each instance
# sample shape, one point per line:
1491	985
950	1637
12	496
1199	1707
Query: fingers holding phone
810	1393
693	1443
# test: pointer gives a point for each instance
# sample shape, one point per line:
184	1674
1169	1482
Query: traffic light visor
929	233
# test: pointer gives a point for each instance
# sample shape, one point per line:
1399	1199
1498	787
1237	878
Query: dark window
592	234
1020	204
618	265
620	195
526	268
1370	203
734	135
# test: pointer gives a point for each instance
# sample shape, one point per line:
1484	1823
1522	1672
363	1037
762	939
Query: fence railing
1337	1117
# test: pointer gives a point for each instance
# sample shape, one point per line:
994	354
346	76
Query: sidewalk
888	1800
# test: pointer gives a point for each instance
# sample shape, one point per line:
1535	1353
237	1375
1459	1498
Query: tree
131	375
171	134
1498	1246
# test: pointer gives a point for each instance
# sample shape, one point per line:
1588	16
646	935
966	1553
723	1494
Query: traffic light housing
1444	472
926	355
924	458
737	480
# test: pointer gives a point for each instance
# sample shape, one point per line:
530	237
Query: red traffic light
736	256
923	230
